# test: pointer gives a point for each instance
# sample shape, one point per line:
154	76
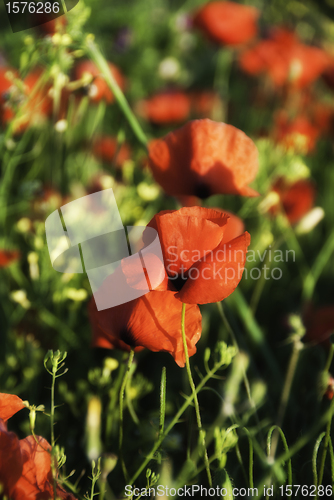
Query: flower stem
174	421
193	389
297	346
121	400
52	417
94	53
329	423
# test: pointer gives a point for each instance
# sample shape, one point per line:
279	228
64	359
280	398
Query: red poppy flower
295	198
322	115
9	405
328	75
298	134
165	108
7	257
5	83
6	112
329	393
10	459
234	227
49	26
30	477
40	102
106	149
205	103
285	59
201	262
46	200
98	89
203	158
319	324
227	22
34	105
152	321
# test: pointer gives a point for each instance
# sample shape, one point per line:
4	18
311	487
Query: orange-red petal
9	405
296	199
216	276
152	321
186	235
166	107
10	459
228	23
203	158
8	256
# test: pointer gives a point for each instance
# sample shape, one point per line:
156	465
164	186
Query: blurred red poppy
329	393
6	112
7	257
228	23
106	148
295	198
203	158
165	108
202	263
319	323
49	26
34	105
98	89
46	200
152	321
9	405
39	102
5	82
298	134
285	59
204	103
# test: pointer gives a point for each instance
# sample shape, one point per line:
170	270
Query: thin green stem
329	424
121	401
244	374
183	408
298	445
286	447
113	399
52	416
162	402
94	53
254	331
193	389
251	459
317	268
64	6
297	346
329	359
314	458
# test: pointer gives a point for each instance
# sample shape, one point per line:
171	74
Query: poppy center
179	281
202	190
127	337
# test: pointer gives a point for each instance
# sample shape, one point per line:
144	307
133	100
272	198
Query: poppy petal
9	405
216	276
227	22
152	321
203	158
10	459
179	235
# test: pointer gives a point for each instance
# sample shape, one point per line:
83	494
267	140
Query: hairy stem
121	401
193	389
